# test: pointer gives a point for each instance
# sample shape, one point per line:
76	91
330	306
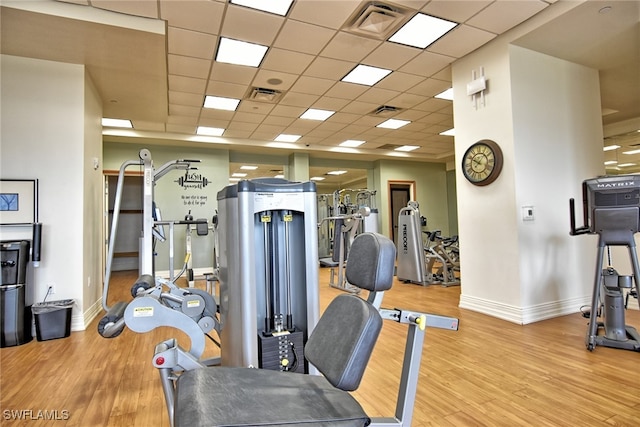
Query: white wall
535	105
43	135
175	201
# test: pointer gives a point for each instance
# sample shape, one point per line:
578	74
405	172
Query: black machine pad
269	398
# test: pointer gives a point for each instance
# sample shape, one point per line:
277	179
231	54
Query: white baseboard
524	315
81	322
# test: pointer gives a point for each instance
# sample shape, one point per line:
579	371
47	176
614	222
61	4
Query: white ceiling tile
302	37
342	117
413	4
189	66
434	118
456	11
212	113
178	128
431	105
502	15
330	103
331	126
182	120
274	79
346	90
399	81
355	129
201	16
349	47
334	13
243	126
287	111
186	84
461	41
232	73
407	100
190	43
185	98
328	68
241	116
227	90
250	25
263	136
270	129
319	133
286	61
312	85
370	121
391	55
357	107
298	99
377	96
213	123
183	110
427	63
148	126
278	120
444	74
430	87
237	133
139	8
255	107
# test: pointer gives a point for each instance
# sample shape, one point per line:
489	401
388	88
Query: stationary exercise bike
611	206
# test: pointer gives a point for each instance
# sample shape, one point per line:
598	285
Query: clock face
482	162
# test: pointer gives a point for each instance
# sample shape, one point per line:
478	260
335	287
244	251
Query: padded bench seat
269	398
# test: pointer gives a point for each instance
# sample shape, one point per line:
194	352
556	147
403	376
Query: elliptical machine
611	208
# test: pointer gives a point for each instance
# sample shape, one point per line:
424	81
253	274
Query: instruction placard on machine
274	201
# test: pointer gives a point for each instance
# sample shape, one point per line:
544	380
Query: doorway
400	193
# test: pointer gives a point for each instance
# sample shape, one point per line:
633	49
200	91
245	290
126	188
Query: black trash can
15	318
53	319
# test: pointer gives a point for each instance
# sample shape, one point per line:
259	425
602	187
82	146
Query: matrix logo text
31	414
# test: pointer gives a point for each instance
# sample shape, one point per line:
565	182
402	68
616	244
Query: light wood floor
489	373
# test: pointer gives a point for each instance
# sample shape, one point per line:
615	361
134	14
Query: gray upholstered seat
339	347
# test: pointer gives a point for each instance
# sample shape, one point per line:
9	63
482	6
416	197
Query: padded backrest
371	262
342	341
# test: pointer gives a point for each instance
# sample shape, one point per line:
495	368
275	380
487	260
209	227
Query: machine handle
572	221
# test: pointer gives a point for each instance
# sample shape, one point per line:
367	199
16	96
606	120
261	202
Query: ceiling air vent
377	20
388	147
385	111
263	94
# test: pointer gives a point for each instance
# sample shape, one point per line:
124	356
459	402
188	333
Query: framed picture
18	201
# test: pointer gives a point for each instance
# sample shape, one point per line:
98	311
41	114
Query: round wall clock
482	162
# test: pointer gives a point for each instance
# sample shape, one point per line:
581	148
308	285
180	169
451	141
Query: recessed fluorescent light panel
248	167
393	124
611	162
283	137
624	165
238	175
317	178
366	75
631	152
279	7
313	114
336	172
220	103
422	30
208	131
240	53
447	95
351	143
117	123
450	132
407	148
279	176
611	147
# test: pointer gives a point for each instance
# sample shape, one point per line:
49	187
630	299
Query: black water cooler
15	316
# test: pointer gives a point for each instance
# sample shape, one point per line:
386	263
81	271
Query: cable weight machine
611	209
268	273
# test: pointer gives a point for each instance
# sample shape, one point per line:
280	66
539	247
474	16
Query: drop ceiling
153	63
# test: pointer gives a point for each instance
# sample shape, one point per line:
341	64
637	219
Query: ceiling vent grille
388	147
377	20
385	111
263	94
